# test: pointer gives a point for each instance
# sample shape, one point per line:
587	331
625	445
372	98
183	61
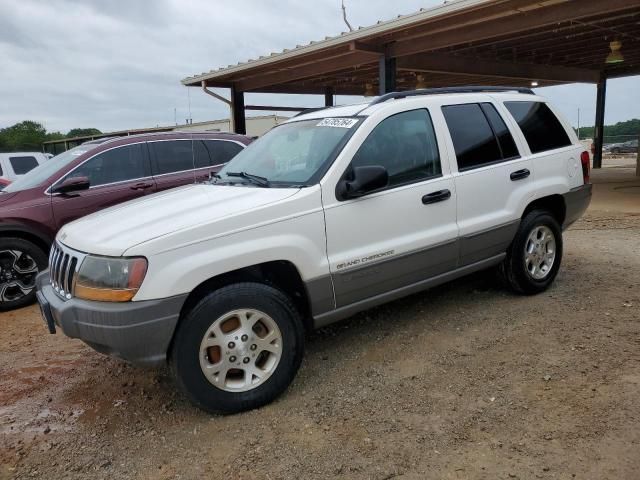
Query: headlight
110	279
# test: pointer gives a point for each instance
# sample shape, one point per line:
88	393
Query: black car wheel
20	263
534	257
238	348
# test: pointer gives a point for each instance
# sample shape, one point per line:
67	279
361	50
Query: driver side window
117	165
405	144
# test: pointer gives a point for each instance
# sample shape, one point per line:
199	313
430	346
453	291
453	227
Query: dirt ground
462	382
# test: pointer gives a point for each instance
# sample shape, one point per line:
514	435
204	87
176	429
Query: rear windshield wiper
255	179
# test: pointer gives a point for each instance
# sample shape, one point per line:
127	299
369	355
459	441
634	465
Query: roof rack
309	110
445	90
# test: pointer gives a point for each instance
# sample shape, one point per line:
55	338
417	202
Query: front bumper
139	332
576	202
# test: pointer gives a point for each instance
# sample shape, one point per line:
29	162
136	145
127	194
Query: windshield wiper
255	179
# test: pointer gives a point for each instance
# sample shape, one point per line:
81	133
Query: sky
115	64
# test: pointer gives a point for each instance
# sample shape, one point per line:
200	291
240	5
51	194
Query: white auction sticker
338	122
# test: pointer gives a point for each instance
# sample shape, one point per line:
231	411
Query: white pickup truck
333	212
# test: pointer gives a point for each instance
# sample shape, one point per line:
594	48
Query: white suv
333	212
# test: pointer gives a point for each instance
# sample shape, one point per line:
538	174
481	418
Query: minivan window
473	139
171	156
405	144
116	165
222	151
45	170
541	128
201	157
22	165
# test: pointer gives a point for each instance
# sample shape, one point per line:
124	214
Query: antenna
189	100
344	16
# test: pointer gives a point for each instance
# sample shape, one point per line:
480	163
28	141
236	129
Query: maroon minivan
89	177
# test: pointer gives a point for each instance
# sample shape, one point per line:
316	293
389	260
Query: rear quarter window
221	151
541	128
23	164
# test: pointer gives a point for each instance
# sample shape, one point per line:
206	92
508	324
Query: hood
114	230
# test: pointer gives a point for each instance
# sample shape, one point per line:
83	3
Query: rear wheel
238	348
534	257
20	263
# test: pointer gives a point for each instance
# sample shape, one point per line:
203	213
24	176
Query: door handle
434	197
141	186
520	174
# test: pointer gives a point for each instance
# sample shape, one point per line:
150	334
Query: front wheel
20	263
238	348
534	257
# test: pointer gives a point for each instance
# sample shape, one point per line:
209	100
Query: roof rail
444	90
309	110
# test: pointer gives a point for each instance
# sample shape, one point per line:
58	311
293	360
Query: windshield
291	154
39	174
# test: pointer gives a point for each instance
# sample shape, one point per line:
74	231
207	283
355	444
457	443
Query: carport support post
328	97
387	74
239	120
598	131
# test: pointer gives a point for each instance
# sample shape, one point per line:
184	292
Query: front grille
64	263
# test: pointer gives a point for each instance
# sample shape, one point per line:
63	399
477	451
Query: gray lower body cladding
363	287
139	332
576	202
388	296
358	283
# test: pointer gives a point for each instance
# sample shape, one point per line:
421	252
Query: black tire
185	352
513	269
8	275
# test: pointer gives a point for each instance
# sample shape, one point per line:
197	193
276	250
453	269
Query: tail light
586	165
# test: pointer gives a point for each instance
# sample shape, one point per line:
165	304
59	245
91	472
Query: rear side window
541	128
222	151
117	165
201	155
405	144
505	139
473	140
22	165
172	156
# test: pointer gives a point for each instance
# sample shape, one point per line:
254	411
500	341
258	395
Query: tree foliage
29	135
83	132
621	129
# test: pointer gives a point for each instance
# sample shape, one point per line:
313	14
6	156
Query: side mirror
72	184
364	180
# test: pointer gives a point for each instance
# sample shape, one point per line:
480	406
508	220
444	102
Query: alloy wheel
540	252
241	350
18	271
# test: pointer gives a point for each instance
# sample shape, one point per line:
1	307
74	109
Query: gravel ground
464	381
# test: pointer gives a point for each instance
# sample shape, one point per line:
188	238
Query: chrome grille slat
58	264
63	272
63	265
71	271
54	261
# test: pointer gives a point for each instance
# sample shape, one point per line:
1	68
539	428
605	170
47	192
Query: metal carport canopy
463	42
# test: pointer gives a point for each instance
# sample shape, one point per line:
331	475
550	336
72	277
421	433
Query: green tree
83	132
23	136
628	128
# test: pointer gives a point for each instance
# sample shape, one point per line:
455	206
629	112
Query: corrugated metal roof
380	27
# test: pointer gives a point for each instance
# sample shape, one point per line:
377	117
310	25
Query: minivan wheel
20	263
534	257
238	348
